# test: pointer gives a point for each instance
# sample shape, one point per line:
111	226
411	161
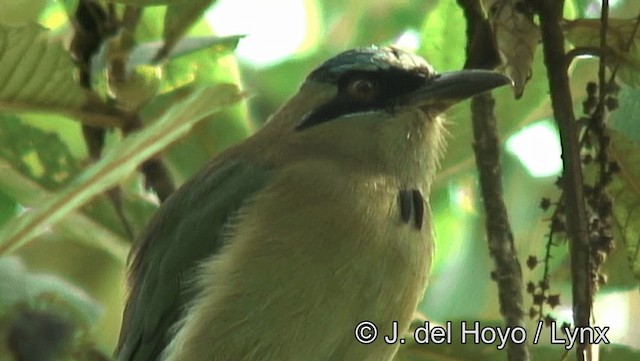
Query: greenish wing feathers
188	228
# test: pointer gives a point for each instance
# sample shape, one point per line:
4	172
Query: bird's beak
443	90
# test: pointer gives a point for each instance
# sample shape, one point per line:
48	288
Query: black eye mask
391	83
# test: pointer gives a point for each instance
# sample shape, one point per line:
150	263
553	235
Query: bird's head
378	107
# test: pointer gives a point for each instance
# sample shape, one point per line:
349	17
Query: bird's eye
364	90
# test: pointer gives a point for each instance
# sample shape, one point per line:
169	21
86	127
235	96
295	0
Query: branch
550	12
508	274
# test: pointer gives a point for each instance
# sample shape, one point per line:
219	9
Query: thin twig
602	64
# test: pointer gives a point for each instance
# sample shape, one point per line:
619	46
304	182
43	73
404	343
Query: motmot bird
284	243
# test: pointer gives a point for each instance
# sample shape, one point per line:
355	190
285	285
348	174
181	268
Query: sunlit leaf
150	24
37	154
117	164
36	74
41	163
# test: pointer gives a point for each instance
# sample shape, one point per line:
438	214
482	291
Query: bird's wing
187	228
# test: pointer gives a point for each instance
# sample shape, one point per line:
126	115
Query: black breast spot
411	203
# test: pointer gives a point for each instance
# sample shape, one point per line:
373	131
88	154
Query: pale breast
309	258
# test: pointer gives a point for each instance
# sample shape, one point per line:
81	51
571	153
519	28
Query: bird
284	243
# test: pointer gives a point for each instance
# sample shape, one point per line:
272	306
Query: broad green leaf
622	44
19	12
9	208
626	193
66	129
42	157
178	19
626	119
569	11
624	263
36	73
74	225
37	154
150	24
121	161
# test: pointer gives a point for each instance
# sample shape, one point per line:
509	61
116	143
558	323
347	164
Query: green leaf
9	208
74	225
18	12
37	154
42	158
36	74
178	20
625	149
626	119
117	164
626	192
150	25
622	44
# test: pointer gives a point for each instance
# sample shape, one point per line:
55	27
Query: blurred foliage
623	49
159	86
